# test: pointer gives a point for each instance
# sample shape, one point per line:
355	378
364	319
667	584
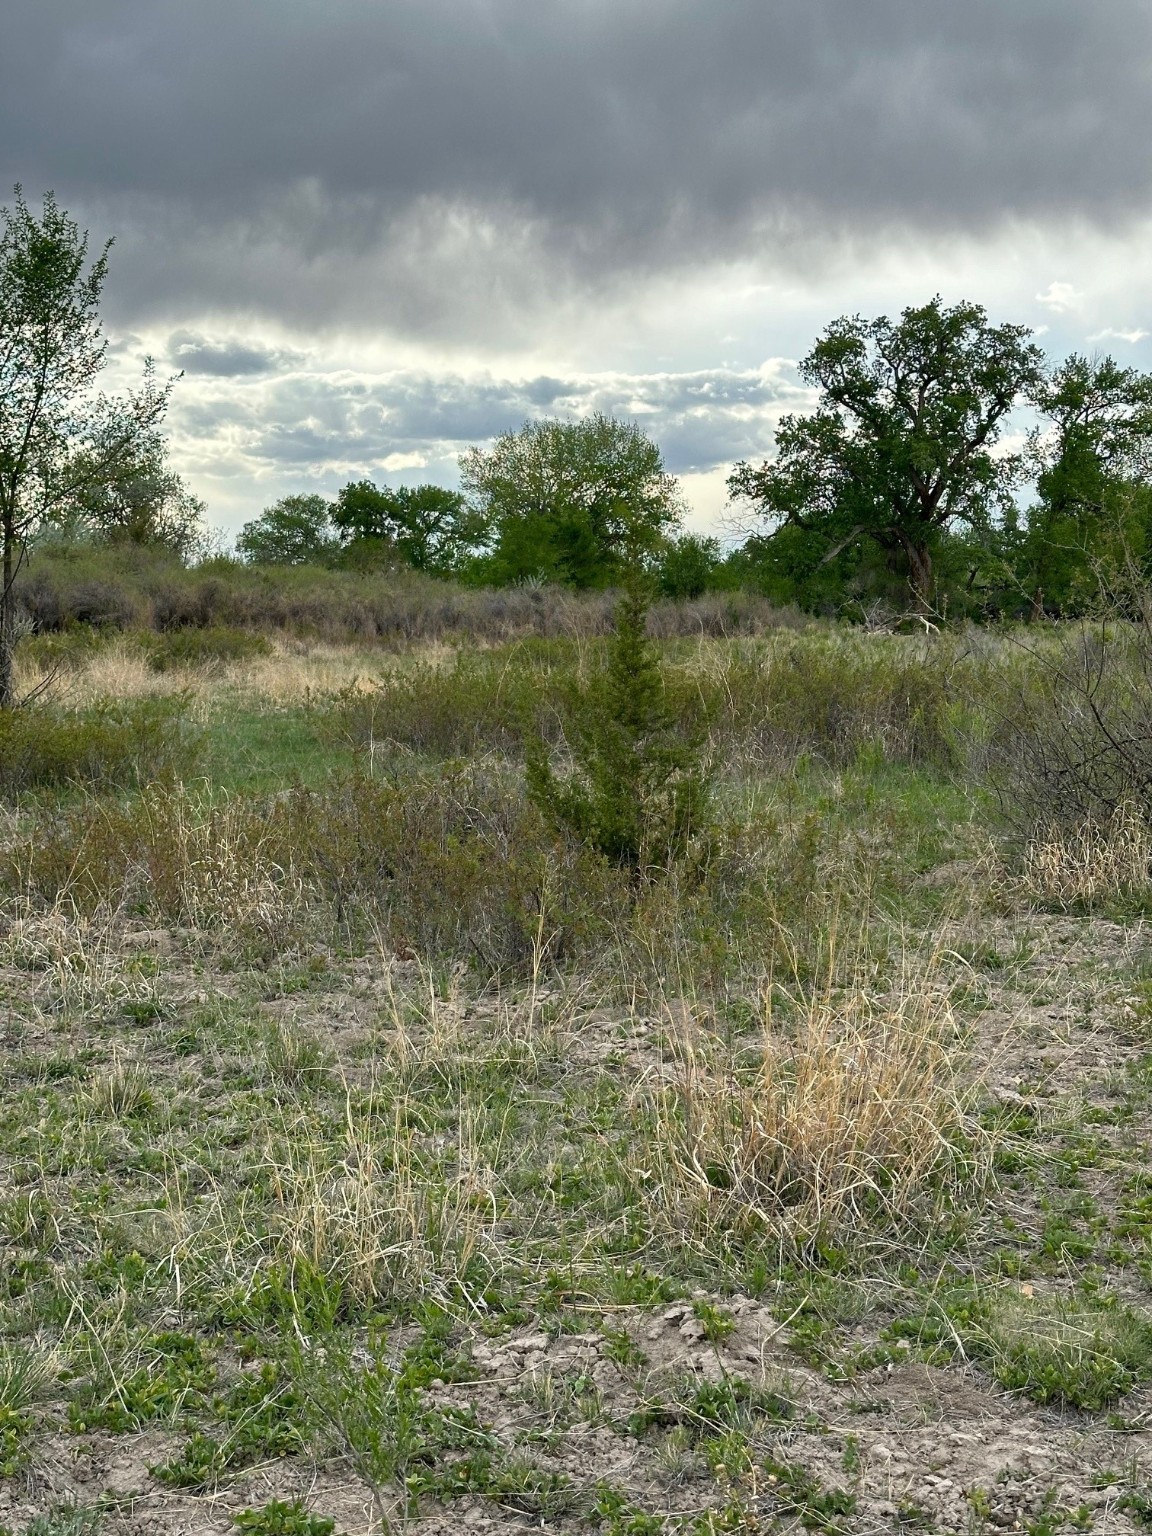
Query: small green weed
280	1519
1081	1353
178	1376
801	1494
64	1520
718	1324
263	1418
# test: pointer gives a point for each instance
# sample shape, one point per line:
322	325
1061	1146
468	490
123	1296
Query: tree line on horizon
898	489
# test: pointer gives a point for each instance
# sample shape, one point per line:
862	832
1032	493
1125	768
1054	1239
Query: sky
370	233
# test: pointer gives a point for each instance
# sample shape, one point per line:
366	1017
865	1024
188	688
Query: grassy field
376	1157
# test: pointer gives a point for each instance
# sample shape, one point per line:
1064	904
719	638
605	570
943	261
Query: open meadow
379	1154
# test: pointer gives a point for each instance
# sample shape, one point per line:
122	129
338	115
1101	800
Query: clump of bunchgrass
25	1374
295	1056
852	1116
1091	862
123	1092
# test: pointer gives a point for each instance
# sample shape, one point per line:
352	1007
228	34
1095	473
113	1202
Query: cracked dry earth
597	1396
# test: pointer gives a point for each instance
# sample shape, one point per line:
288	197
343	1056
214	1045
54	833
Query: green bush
835	698
481	703
456	864
115	746
203	647
639	786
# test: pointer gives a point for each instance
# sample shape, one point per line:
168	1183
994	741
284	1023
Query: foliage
639	790
1093	463
899	450
117	745
66	1520
278	1518
137	500
573	502
1056	1351
58	439
431	529
689	566
65	586
296	530
203	647
1072	742
178	1373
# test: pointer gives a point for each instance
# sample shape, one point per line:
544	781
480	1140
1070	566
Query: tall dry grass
1092	862
854	1116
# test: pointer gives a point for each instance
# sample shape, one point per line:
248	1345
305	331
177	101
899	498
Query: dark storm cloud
414	159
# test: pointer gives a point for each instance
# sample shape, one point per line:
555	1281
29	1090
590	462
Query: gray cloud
339	426
194	353
433	162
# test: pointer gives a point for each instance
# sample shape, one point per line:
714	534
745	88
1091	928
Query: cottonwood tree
296	530
578	502
58	435
430	528
900	449
1093	465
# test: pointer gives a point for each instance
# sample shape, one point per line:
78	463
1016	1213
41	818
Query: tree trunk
920	575
8	618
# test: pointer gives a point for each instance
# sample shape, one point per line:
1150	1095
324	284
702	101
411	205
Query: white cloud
1060	297
1109	334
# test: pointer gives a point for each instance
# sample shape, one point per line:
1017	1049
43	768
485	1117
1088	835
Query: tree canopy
296	530
576	502
140	500
430	528
900	448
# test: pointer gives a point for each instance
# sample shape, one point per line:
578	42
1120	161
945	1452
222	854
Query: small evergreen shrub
639	785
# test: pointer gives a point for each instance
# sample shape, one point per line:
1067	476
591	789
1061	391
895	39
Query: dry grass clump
381	1216
79	965
200	861
853	1117
1092	862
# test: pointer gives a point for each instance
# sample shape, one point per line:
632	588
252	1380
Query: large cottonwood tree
579	502
902	444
